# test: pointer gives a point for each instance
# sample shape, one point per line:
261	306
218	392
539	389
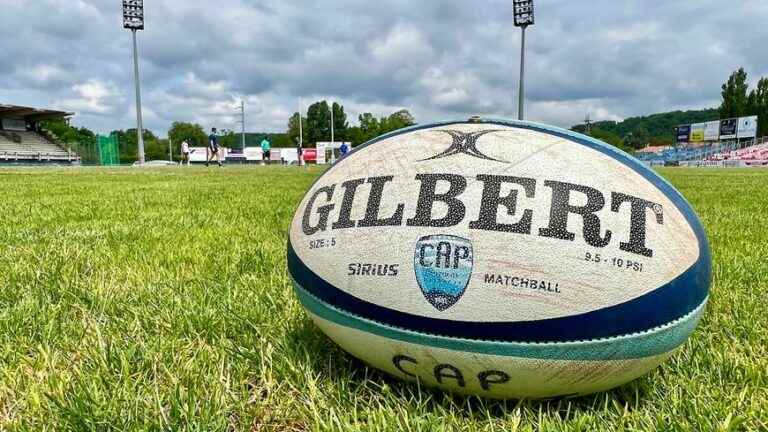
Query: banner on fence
697	132
728	128
682	133
253	154
747	127
711	130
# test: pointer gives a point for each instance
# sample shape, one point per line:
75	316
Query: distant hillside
654	128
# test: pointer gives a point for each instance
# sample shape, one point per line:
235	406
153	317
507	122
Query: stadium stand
671	155
22	139
756	155
731	154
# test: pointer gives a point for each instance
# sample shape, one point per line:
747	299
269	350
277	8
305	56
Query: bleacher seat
32	147
753	153
680	154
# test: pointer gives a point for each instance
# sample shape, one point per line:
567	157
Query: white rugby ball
500	258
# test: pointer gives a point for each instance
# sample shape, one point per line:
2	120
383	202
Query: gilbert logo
443	265
464	143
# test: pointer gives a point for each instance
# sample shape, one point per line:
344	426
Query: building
24	141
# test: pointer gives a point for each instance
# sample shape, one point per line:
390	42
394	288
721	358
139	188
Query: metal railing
24	155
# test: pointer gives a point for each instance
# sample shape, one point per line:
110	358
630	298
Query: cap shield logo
443	266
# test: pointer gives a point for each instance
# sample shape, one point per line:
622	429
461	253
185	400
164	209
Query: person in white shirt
185	152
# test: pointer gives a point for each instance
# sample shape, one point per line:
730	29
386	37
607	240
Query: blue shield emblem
443	265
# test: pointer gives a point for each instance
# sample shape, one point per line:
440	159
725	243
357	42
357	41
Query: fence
109	153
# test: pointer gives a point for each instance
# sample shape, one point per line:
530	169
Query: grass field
135	299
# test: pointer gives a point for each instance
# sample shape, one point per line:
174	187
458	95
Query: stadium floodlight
241	110
133	20
523	14
133	14
332	140
301	137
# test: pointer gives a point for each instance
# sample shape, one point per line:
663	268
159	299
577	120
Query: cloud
93	97
442	60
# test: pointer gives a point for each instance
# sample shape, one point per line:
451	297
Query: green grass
158	299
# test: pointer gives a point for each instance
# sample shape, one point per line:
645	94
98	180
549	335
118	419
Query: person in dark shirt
213	148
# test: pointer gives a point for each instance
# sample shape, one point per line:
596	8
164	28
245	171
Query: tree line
316	126
83	142
658	129
739	101
655	129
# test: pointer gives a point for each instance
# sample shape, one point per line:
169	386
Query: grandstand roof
30	114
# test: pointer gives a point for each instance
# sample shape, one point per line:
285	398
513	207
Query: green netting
108	149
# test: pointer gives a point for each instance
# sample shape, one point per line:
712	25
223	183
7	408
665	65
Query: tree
317	125
229	139
293	129
279	140
395	121
369	127
368	124
610	138
640	138
318	122
734	93
402	118
79	140
129	149
193	133
758	105
153	147
160	149
660	127
340	124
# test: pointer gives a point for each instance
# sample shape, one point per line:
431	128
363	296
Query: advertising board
682	133
728	128
747	127
711	130
697	132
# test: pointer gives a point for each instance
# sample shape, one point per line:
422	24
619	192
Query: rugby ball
500	258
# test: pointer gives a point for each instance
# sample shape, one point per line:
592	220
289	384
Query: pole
170	151
301	137
332	140
139	126
521	92
242	113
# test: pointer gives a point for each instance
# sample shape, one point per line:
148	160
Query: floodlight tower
587	123
300	150
523	13
332	140
133	20
241	111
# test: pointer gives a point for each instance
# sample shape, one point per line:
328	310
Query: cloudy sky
441	59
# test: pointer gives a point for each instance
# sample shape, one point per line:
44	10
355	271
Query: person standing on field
265	147
213	148
300	154
185	152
